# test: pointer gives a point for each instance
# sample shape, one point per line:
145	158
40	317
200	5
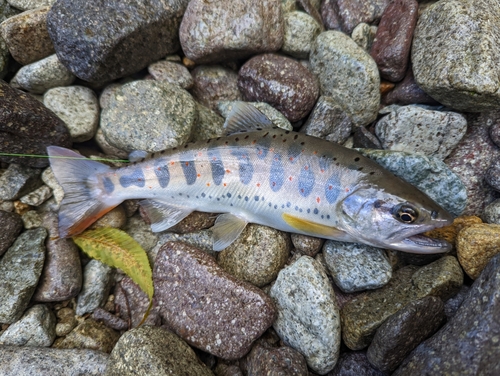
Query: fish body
278	178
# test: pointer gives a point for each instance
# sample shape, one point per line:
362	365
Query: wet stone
50	180
212	32
278	119
97	280
354	363
20	268
491	213
18	180
363	35
37	328
347	74
308	316
11	228
137	228
356	267
206	306
300	31
306	245
107	148
209	124
172	73
7	11
280	81
404	331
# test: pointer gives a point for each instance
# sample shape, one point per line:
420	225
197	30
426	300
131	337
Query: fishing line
61	157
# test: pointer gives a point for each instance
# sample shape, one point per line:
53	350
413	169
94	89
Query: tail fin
82	204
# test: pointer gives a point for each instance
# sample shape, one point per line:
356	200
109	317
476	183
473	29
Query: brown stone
11	228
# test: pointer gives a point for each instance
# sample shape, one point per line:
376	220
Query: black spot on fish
256	198
246	198
228	195
356	159
203	195
108	185
316	211
136	177
288	204
161	172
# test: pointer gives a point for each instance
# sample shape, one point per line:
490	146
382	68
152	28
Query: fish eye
405	213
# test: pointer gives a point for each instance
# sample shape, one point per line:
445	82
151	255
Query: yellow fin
312	228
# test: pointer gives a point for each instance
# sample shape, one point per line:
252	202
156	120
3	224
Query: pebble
469	85
214	83
42	75
300	30
172	73
280	81
110	320
27	37
107	148
61	277
351	13
97	280
468	342
392	43
356	267
156	350
20	268
11	228
257	255
116	218
50	180
114	39
491	213
209	124
162	114
329	121
66	321
37	328
78	107
493	174
213	32
354	363
494	131
202	239
7	11
403	331
206	306
429	174
416	129
347	74
31	219
308	317
30	4
29	361
363	35
306	245
278	119
141	232
18	180
37	197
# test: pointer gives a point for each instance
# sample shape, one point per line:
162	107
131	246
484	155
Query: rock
363	35
116	218
110	320
407	92
40	76
141	232
107	148
206	306
28	361
452	305
203	240
27	37
464	84
37	197
257	255
37	328
78	107
306	245
209	124
429	174
66	321
214	83
493	175
300	30
404	331
278	119
11	228
113	39
308	316
449	233
354	363
420	130
213	32
281	82
163	114
391	46
156	350
49	178
31	219
30	4
7	11
491	213
347	74
97	279
329	121
356	267
351	13
494	131
18	180
467	344
363	138
172	73
20	268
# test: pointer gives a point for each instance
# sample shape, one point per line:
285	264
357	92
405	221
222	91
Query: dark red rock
11	227
392	43
207	307
282	82
329	14
408	92
28	127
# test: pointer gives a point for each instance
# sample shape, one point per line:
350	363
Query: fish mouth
422	244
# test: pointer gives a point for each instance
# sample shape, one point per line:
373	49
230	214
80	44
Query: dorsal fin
244	118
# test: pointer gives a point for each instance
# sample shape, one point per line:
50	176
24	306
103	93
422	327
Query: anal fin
164	215
226	230
313	228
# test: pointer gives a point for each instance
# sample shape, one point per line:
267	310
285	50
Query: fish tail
83	201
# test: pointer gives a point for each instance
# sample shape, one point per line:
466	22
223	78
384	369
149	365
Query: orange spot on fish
198	175
172	163
347	189
306	168
318	200
253	142
291	159
315	152
258	184
322	170
228	171
208	184
186	163
330	187
225	185
200	154
290	178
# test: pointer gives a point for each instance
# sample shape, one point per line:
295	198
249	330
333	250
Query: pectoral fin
164	215
313	228
226	229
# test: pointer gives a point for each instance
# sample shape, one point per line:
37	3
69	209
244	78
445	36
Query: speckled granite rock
308	316
449	233
468	343
11	228
351	13
470	84
209	124
213	32
66	321
18	180
354	363
491	213
493	175
307	245
171	72
37	197
223	315
452	305
363	35
152	115
30	4
300	31
154	351
97	279
203	240
347	74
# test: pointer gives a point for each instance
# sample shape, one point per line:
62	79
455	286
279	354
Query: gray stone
357	267
172	73
78	107
348	74
202	240
11	228
20	268
148	115
30	361
306	245
493	174
429	174
97	279
354	363
49	178
491	213
7	11
461	73
300	31
31	219
154	351
40	76
416	129
209	124
30	4
18	180
452	305
107	148
67	321
308	316
363	35
37	197
37	328
278	119
141	232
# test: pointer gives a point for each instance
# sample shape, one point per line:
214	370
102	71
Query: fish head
394	220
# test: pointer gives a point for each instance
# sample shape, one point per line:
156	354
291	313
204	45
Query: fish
260	174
